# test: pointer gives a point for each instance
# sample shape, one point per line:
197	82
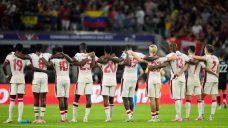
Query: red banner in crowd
96	97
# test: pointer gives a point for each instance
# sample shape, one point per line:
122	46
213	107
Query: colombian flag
94	19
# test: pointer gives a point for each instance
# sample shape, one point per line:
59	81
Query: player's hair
153	48
173	47
108	49
192	48
128	47
19	47
39	47
83	46
210	48
59	49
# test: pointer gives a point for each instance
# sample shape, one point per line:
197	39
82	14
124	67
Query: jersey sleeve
186	58
7	60
77	57
47	56
163	59
28	62
202	64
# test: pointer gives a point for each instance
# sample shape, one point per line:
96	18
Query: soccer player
222	81
61	66
84	83
129	81
17	80
108	64
177	82
210	86
193	85
39	83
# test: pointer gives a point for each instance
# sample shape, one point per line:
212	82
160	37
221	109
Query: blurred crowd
202	19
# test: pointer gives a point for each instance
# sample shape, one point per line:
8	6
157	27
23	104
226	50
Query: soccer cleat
212	117
35	121
85	120
199	118
177	119
8	121
186	119
157	119
152	120
108	120
73	120
131	119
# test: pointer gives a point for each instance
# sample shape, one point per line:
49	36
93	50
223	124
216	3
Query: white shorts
84	88
40	85
62	88
177	89
193	88
108	91
128	88
17	89
210	88
153	90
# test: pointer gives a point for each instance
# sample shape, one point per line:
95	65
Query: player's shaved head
192	49
59	49
153	48
108	49
83	47
39	47
19	47
173	47
209	48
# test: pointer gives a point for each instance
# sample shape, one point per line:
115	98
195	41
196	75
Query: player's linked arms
200	58
152	67
80	63
22	56
102	60
68	58
114	59
211	72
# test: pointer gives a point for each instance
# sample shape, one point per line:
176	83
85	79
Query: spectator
64	15
140	18
197	28
75	17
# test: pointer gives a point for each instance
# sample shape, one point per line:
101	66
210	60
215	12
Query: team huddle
181	85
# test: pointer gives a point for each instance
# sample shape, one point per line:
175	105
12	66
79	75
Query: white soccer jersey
84	72
212	62
109	74
130	72
178	64
61	67
38	63
17	67
194	72
155	75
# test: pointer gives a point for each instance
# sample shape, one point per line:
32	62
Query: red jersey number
111	67
214	66
63	65
41	64
179	62
17	65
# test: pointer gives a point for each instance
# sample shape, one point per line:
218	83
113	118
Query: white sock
200	107
178	108
157	114
213	107
66	113
107	112
153	114
42	111
87	112
62	115
11	108
111	109
75	110
36	112
129	114
20	108
188	108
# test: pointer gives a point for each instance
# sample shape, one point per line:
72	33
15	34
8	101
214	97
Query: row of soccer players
108	63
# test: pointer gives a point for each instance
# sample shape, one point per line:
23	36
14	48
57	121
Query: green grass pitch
97	117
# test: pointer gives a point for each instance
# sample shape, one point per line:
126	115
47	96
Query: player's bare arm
47	63
182	70
127	61
136	57
68	58
37	69
114	59
93	63
102	60
80	63
150	59
171	58
22	56
210	71
200	58
8	76
152	67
